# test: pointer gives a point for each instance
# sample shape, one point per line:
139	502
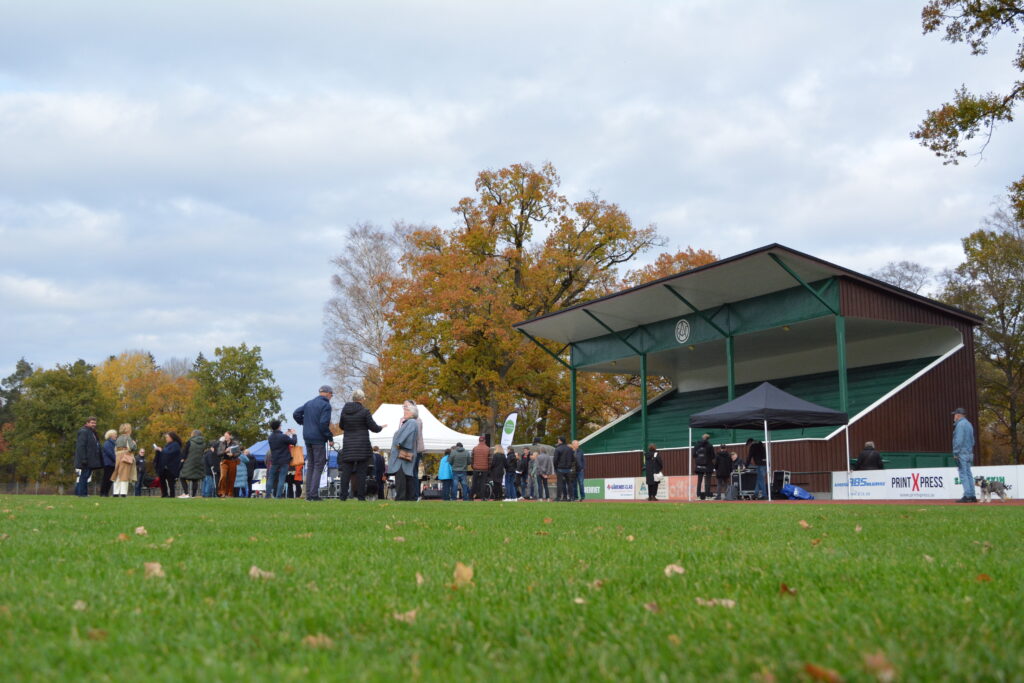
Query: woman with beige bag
125	471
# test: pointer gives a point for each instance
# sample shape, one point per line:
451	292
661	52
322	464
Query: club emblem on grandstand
682	331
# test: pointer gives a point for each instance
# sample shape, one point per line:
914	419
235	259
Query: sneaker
184	495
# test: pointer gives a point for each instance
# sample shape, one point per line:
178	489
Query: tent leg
847	431
768	462
689	466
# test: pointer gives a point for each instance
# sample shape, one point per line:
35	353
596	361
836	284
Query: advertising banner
641	488
678	488
508	430
593	489
619	489
926	483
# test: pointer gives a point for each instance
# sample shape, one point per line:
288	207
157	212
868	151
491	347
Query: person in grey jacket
545	468
406	438
963	453
460	460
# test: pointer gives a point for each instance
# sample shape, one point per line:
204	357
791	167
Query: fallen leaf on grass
140	531
857	529
387	527
507	540
548	520
579	601
652	607
153	570
803	524
96	634
596	584
542	533
308	534
312	587
257	573
982	578
80	606
673	569
986	546
716	602
786	590
419	579
674	639
764	676
253	538
879	665
820	673
630	538
815	541
463	575
928	558
407	617
317	641
4	537
123	537
49	507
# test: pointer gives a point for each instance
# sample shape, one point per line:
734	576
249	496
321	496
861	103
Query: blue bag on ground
795	493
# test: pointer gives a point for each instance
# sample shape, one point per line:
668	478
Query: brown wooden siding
859	300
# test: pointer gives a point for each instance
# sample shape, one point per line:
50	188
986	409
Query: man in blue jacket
315	418
279	458
963	453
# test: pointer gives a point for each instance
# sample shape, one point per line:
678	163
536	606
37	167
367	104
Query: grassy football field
286	590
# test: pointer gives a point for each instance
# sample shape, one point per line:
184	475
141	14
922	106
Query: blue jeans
82	487
579	485
762	481
510	486
446	489
275	480
963	463
462	481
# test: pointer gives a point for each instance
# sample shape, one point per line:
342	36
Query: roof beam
693	308
806	286
544	348
622	339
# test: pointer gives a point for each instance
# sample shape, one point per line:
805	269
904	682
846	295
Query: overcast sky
177	176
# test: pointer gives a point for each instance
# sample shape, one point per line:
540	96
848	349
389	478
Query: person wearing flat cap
315	418
963	453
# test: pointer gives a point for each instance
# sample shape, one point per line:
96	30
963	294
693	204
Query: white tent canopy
436	436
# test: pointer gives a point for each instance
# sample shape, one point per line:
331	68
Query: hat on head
960	411
326	389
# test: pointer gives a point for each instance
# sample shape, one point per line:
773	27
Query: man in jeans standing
87	455
963	453
580	465
481	468
315	418
279	458
757	457
460	461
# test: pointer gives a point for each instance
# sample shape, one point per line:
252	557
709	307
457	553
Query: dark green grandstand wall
668	418
786	307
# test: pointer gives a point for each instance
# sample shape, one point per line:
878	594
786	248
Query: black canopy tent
767	407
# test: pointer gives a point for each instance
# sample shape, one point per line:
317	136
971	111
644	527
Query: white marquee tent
436	436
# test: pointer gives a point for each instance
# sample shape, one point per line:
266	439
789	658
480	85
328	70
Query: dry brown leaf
815	541
49	507
542	533
652	607
820	673
716	602
579	601
786	590
408	617
169	541
123	537
387	527
399	539
463	575
596	584
308	534
257	573
4	537
96	634
317	641
857	529
879	665
419	579
253	538
673	569
548	520
153	570
982	578
630	538
80	606
140	531
986	546
507	540
674	639
928	558
803	524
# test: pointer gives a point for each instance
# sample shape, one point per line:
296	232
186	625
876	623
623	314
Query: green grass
339	572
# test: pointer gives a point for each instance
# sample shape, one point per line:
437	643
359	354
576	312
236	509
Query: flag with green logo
508	430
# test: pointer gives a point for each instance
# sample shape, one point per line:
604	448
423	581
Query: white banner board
619	489
924	483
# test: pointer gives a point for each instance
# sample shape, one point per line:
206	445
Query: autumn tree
53	406
356	327
907	275
990	282
519	249
951	128
234	391
669	264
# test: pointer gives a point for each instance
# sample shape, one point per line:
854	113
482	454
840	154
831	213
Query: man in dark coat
279	457
315	418
581	463
380	472
87	455
565	461
703	461
869	458
496	473
757	457
356	422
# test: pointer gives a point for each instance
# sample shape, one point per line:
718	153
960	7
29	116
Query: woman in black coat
652	466
356	423
168	463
